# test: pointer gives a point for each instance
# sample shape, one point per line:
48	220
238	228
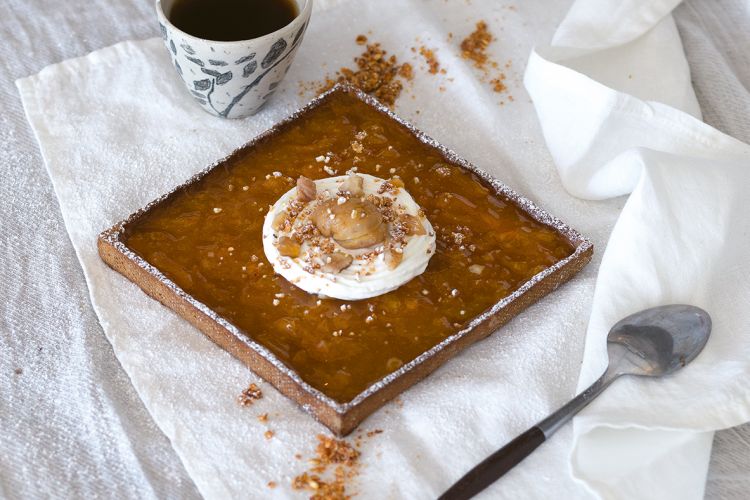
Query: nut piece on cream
349	237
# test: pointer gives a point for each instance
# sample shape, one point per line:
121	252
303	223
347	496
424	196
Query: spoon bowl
650	343
657	341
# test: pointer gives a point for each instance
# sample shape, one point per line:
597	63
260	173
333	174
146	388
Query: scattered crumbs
271	484
474	46
276	302
245	188
498	84
474	49
263	417
323	483
376	73
374	432
268	434
298	456
217	210
18	371
433	65
406	71
250	395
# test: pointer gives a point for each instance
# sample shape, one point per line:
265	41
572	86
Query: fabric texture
682	237
72	424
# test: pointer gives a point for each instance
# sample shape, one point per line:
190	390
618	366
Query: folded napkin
117	128
683	237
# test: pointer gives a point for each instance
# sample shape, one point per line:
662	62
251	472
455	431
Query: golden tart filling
208	239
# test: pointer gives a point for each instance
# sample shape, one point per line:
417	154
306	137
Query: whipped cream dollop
349	237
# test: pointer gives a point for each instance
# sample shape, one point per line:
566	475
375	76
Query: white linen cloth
116	130
614	124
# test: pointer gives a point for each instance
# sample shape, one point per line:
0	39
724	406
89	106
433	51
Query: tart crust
342	418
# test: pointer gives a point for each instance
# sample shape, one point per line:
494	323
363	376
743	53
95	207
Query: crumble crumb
250	395
474	46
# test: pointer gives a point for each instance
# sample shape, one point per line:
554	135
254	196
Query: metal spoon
649	343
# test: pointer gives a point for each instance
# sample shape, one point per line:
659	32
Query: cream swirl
369	274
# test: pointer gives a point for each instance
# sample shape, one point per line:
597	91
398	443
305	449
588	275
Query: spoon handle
510	455
494	466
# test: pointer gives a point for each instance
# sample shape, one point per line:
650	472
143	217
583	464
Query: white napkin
614	124
117	129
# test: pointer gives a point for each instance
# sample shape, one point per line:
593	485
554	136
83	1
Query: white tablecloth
50	446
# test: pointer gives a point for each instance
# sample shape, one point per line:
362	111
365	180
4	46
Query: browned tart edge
342	418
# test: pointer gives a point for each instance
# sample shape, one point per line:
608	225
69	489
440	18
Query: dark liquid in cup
232	20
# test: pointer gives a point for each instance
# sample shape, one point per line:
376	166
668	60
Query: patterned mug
233	79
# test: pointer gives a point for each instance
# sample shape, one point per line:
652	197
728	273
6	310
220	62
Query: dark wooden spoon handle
494	466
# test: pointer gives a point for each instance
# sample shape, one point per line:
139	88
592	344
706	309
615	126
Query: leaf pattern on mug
299	34
211	72
171	46
204	84
187	48
245	58
249	69
274	52
214	62
163	30
223	78
195	60
178	67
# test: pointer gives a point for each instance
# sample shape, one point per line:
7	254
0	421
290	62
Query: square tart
198	250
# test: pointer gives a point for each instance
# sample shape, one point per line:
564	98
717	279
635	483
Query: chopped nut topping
339	261
412	225
476	268
306	190
288	247
392	256
353	185
280	221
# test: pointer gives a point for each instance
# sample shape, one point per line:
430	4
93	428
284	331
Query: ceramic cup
233	79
